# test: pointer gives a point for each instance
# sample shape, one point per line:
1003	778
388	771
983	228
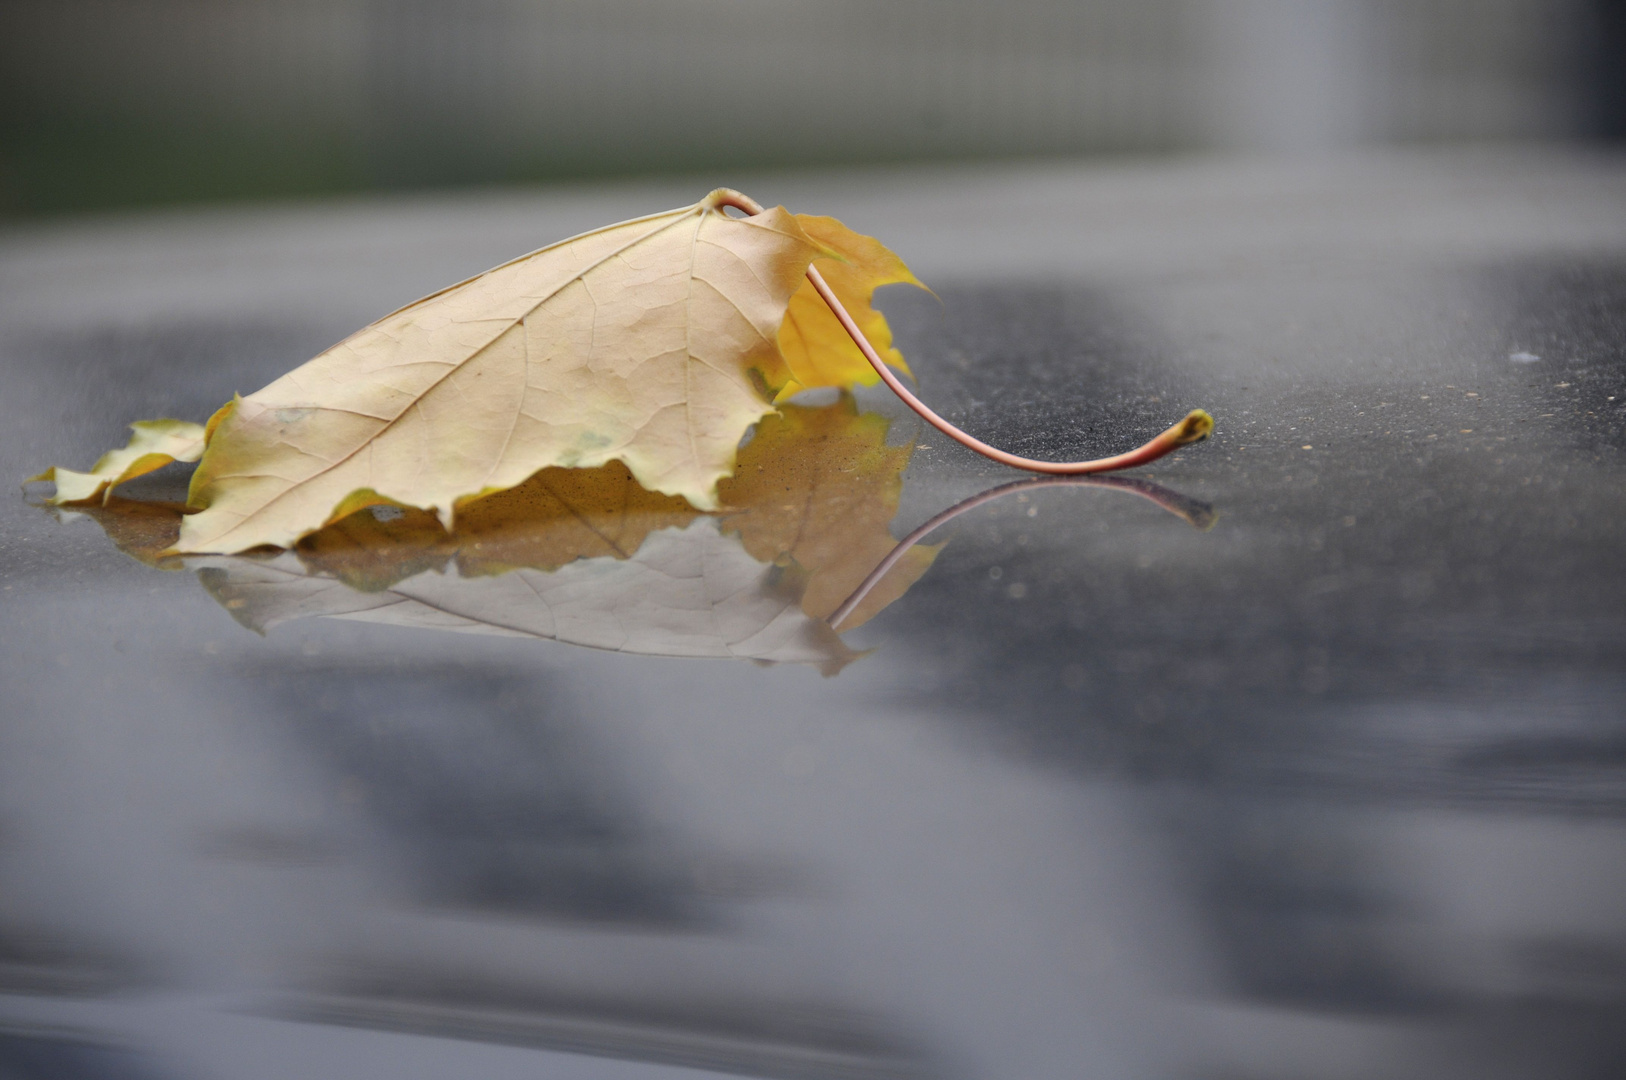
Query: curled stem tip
1196	426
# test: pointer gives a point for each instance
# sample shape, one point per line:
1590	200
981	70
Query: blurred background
117	103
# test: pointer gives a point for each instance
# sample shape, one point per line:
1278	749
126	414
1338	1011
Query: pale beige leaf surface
652	342
153	444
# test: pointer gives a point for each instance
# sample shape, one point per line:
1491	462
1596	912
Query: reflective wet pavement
1317	769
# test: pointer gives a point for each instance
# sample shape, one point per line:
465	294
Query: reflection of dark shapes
30	1054
1554	769
1541	753
1292	911
1445	755
36	962
721	878
261	846
498	804
792	1040
1604	74
1555	763
1543	1040
1572	969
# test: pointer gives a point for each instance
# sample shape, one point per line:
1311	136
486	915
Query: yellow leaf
657	343
652	342
560	515
154	444
819	487
816	487
806	519
816	348
376	546
552	519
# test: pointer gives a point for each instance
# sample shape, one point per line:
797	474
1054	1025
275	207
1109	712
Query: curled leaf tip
153	444
723	196
1196	427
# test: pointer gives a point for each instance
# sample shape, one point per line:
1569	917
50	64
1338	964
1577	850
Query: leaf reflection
802	547
1198	514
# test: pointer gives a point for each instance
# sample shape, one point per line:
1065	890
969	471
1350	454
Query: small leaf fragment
154	444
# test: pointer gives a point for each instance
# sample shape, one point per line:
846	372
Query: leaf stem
1196	426
1198	514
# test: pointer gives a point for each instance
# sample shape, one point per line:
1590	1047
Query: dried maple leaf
586	557
648	342
806	518
657	343
816	486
